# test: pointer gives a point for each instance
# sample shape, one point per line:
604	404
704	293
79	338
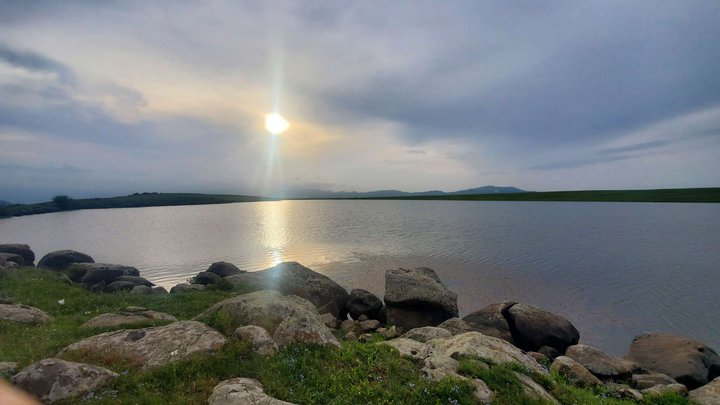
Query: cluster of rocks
290	303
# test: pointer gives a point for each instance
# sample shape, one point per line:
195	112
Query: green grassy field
304	374
679	195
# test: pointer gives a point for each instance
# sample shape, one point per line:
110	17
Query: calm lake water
613	269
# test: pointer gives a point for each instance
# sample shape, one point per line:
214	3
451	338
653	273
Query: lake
613	269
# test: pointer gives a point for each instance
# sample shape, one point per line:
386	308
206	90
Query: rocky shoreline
289	304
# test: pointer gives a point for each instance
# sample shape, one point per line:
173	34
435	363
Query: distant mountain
314	193
4	203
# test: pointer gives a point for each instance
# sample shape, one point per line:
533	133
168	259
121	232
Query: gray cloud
35	62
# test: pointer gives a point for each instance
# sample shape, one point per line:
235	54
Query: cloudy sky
109	98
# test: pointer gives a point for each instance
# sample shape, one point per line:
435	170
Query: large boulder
185	287
643	381
136	280
492	320
97	272
296	279
206	277
417	297
288	318
23	314
707	394
20	249
363	302
533	327
54	380
456	326
242	391
601	364
62	259
13	258
152	347
574	372
688	361
224	269
128	316
487	347
425	333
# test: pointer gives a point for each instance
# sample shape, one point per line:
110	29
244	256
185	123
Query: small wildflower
62	301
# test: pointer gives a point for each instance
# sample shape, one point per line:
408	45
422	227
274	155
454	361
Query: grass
356	373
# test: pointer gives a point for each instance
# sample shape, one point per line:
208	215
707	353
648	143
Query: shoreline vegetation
64	203
76	331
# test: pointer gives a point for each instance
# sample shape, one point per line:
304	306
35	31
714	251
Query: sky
116	97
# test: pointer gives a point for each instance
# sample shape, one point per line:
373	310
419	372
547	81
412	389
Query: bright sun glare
275	123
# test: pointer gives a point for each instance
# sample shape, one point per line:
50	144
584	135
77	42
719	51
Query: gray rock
296	279
456	326
348	325
574	372
426	333
708	394
487	347
242	391
20	249
665	389
417	297
409	347
363	302
533	327
23	314
602	365
438	367
370	325
535	390
7	369
549	352
116	286
4	264
623	391
206	277
350	336
159	290
258	337
688	361
54	380
329	320
491	320
185	287
288	318
224	269
362	318
141	290
642	381
155	346
127	317
97	272
137	280
538	356
13	258
62	259
392	332
483	394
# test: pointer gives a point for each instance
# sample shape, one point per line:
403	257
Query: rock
141	290
155	346
664	389
362	318
20	249
4	264
392	332
549	352
288	318
409	347
533	327
370	325
438	367
623	391
62	259
539	357
642	381
574	372
708	394
350	336
363	302
491	320
348	325
534	390
426	333
206	277
258	337
23	314
54	380
296	279
483	394
136	280
7	369
97	272
417	297
242	391
485	347
600	364
456	326
329	320
159	290
185	287
116	286
128	316
365	337
12	258
224	269
688	361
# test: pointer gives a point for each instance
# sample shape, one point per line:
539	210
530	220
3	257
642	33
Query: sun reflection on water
274	217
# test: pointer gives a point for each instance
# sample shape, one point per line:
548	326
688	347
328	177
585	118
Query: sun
275	123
